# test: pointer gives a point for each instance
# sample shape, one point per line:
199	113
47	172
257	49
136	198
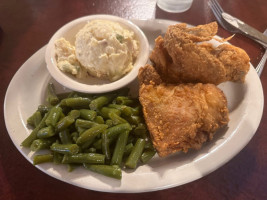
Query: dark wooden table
27	25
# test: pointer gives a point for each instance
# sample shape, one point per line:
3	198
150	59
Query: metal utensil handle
246	29
261	64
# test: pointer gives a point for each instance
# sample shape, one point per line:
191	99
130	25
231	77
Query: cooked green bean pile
104	133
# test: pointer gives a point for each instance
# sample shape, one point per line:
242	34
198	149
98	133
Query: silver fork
217	11
262	62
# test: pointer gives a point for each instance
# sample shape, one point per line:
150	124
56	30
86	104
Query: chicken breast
180	117
185	56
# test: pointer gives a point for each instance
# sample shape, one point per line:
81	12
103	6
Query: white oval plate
27	90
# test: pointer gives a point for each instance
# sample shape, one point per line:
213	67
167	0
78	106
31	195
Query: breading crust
185	56
180	117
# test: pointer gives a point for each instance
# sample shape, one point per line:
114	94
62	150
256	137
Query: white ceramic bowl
94	85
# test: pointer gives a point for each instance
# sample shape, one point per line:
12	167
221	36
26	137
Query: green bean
63	95
128	149
118	107
78	94
38	159
92	158
74	114
88	114
39	144
90	134
86	144
105	145
110	134
71	167
57	158
134	119
116	119
119	148
62	115
98	144
105	111
64	123
46	132
132	111
72	128
53	116
113	132
33	136
74	136
136	153
149	145
77	102
43	109
65	109
52	98
69	149
140	130
85	123
99	120
125	110
113	171
123	100
141	133
147	155
35	119
80	130
99	102
72	94
90	150
109	123
65	137
75	94
95	123
131	139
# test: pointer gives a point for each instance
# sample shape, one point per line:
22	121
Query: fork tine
217	5
216	9
216	13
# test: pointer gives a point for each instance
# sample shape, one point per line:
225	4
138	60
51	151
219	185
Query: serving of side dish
245	103
93	84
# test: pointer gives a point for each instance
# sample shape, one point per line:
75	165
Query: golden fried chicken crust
185	56
148	75
180	117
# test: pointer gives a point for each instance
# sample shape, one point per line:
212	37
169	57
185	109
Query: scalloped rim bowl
94	85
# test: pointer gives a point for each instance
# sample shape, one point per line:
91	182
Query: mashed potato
103	49
66	59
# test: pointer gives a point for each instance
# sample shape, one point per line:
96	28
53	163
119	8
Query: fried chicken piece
185	56
148	75
180	117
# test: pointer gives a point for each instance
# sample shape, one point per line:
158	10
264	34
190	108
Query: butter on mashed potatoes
103	49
